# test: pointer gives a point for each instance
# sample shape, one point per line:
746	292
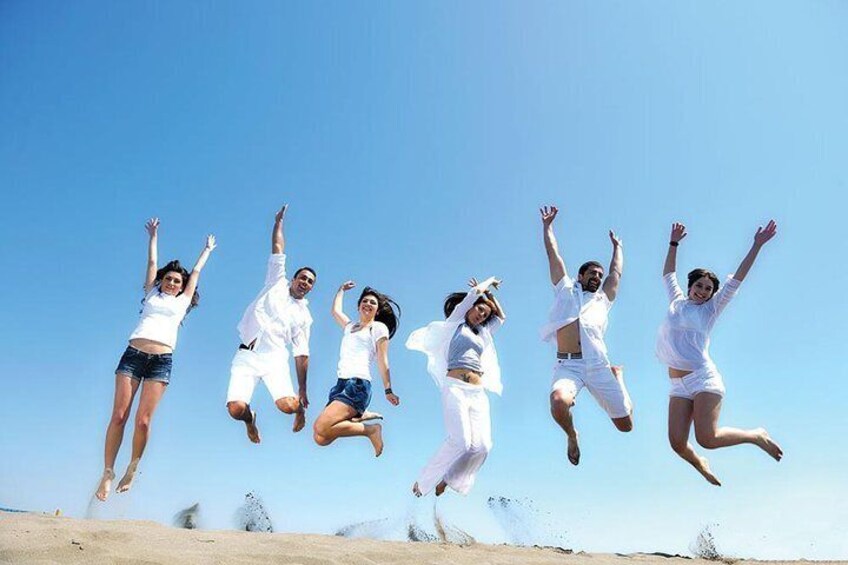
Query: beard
592	285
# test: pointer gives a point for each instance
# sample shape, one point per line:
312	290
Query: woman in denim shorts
169	294
364	343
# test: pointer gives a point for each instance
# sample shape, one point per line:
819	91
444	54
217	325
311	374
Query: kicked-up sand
39	538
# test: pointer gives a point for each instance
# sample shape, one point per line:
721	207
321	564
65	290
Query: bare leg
561	403
679	422
711	436
625	423
241	411
125	389
334	422
151	394
291	405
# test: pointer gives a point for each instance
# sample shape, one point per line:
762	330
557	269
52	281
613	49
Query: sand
38	538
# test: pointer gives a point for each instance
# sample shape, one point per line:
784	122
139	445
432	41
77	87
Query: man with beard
578	322
277	319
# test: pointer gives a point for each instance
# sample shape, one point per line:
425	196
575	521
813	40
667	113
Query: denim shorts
146	366
356	393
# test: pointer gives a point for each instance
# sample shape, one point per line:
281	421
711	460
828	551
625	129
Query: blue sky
415	144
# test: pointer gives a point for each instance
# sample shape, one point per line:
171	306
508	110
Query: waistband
569	355
140	352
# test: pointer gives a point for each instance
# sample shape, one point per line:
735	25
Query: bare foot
127	479
416	491
375	434
367	416
105	484
299	420
768	445
252	430
573	450
704	469
440	488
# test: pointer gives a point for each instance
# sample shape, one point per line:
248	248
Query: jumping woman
169	294
697	387
462	360
364	343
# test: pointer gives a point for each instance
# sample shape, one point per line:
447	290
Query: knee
288	404
321	440
236	409
142	422
561	400
706	440
678	444
119	418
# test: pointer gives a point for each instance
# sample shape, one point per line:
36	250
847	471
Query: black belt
569	355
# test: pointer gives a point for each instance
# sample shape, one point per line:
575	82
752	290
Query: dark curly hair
701	273
385	309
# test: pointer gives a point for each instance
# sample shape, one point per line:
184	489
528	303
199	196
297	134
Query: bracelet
389	391
674	243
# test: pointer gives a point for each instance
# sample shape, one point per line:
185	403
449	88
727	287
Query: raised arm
678	232
556	266
338	314
499	311
191	285
383	366
615	269
278	240
152	227
762	237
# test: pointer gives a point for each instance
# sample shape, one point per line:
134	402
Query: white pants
249	367
469	429
571	375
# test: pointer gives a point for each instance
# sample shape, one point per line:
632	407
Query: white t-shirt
275	319
161	315
683	341
359	350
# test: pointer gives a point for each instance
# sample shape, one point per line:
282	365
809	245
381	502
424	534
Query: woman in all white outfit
462	360
169	294
697	387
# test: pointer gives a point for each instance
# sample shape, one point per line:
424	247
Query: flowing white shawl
434	341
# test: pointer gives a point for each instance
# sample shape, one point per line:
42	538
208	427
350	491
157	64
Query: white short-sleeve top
161	315
359	350
571	302
683	340
274	319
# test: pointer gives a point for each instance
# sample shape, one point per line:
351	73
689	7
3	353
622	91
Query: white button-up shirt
591	308
275	319
683	341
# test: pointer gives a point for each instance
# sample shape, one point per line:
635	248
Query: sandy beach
38	538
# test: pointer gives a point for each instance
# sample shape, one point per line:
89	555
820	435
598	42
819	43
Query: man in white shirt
578	321
278	319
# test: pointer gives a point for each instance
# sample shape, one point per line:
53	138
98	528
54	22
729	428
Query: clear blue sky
415	144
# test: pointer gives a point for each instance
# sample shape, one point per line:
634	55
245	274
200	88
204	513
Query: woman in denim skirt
365	342
169	294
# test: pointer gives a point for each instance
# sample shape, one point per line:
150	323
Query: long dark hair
385	309
176	267
453	299
701	273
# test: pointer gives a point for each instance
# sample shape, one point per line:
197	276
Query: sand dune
37	538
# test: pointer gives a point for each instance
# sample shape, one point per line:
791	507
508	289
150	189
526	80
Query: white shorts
571	375
705	379
249	368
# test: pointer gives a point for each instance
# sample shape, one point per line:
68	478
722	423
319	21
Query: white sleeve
672	287
463	307
725	294
379	331
276	268
565	283
494	323
300	340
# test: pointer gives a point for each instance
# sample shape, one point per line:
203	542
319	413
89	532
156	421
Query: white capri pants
250	367
469	428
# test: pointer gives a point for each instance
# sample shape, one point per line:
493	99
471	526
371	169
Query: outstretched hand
764	234
152	226
347	286
678	232
548	213
393	399
210	242
472	282
281	214
616	241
